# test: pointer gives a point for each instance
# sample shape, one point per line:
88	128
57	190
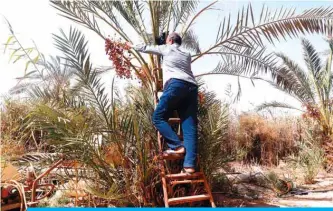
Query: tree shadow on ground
222	200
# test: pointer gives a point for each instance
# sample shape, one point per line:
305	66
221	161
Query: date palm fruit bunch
118	54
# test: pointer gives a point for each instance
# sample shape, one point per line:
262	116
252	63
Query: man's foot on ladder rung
185	178
172	156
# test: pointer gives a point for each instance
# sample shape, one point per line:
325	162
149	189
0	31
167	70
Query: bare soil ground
319	194
250	194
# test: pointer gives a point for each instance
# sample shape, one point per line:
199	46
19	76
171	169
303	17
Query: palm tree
240	45
71	105
48	78
127	124
311	87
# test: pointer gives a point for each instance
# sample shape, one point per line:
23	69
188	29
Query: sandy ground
319	194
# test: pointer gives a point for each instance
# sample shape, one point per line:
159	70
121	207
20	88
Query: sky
36	20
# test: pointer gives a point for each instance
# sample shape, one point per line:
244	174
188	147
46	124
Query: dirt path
319	194
310	201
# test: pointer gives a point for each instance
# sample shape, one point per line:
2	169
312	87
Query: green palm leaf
74	47
246	33
308	87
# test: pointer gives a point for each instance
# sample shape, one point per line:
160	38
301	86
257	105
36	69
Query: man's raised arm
152	49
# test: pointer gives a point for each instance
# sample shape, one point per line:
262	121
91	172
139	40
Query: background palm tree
311	87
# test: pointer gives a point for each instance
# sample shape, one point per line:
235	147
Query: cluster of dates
201	98
312	111
119	56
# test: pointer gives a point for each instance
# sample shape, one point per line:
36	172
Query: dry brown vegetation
262	140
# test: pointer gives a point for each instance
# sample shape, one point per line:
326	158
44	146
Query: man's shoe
179	150
187	171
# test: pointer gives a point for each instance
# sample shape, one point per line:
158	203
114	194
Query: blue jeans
181	96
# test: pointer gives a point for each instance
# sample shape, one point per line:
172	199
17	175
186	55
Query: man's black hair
175	38
161	40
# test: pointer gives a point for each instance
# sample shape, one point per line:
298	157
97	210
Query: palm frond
143	104
24	87
73	10
208	7
37	92
246	33
182	11
19	52
326	79
212	131
275	104
330	42
131	12
112	194
312	59
292	78
161	12
298	94
51	75
190	41
326	76
314	65
106	8
74	47
248	62
72	131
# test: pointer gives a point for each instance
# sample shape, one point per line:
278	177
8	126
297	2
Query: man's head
174	38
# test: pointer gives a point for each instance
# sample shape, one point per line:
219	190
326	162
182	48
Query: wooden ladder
170	180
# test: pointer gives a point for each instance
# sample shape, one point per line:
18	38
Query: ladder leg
165	192
207	187
160	145
211	199
164	184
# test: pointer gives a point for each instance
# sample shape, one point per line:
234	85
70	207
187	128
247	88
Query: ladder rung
37	190
186	199
6	207
186	181
32	203
173	157
174	120
182	175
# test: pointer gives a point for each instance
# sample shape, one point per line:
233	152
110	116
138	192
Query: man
180	93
